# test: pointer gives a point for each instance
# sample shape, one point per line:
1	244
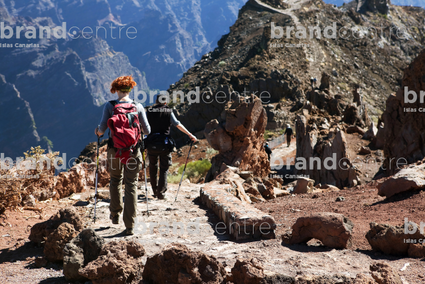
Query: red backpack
125	128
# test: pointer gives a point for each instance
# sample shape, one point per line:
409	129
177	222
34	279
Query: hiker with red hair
127	123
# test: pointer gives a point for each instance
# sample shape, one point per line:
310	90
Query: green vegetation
186	85
194	171
221	64
268	134
48	142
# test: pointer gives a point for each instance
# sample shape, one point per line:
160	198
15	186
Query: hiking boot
161	196
129	231
115	219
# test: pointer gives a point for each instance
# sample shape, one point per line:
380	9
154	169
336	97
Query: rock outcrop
239	138
177	264
41	231
119	262
397	240
332	229
330	150
82	249
403	119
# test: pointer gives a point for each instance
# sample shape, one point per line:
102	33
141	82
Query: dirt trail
202	236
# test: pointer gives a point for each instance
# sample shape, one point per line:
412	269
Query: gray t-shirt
107	113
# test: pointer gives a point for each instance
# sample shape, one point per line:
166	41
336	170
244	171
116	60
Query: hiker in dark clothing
288	132
160	144
120	171
268	150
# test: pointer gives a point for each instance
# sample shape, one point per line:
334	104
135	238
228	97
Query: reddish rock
245	123
412	178
247	272
217	137
384	274
392	240
119	262
304	185
417	250
333	230
75	180
252	191
40	231
56	241
81	250
177	264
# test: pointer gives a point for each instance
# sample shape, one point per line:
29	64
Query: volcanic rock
304	185
82	249
404	123
392	239
332	229
245	123
56	241
247	272
177	264
411	178
384	274
119	262
335	167
40	231
217	137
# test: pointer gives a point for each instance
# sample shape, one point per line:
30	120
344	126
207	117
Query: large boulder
82	249
244	121
393	240
411	178
40	231
177	264
304	185
119	262
56	241
332	229
404	123
335	168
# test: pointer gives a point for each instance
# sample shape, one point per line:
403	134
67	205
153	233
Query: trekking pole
184	169
146	178
97	174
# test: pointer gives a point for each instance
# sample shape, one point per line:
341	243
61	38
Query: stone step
239	219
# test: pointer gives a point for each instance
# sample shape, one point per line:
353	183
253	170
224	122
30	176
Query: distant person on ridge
124	156
268	150
288	132
160	144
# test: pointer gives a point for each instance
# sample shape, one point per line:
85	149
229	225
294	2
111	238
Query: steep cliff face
63	82
15	112
171	35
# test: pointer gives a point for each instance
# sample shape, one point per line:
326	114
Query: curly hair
123	84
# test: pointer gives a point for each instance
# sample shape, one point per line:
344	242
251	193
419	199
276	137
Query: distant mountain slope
171	35
368	50
62	82
417	3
